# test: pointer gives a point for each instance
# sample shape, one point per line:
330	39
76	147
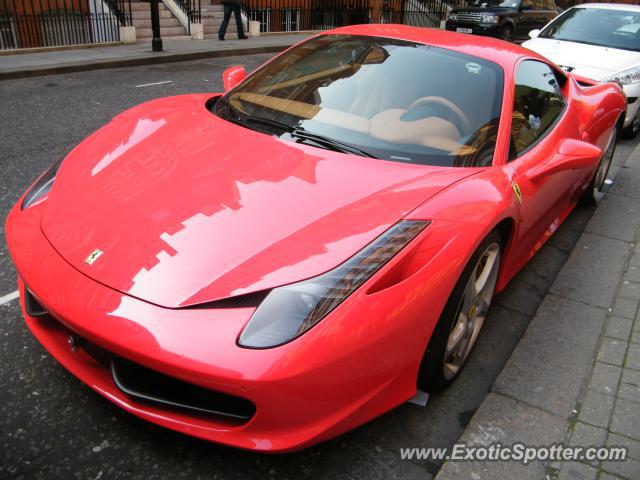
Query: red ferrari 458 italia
272	266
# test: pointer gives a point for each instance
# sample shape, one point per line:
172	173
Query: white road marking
9	297
156	83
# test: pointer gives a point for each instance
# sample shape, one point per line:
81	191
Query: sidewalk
574	377
92	58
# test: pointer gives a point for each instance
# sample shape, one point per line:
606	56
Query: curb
23	72
537	396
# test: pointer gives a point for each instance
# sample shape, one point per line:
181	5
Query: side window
537	104
550	5
538	5
526	5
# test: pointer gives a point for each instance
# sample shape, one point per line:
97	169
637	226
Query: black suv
505	19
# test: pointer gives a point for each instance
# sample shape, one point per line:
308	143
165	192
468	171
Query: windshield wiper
267	122
329	143
300	134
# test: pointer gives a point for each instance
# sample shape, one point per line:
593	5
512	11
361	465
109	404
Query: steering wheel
464	124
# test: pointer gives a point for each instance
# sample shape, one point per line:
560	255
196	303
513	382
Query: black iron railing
192	9
122	10
420	13
300	15
47	23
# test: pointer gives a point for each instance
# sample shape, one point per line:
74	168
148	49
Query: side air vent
149	386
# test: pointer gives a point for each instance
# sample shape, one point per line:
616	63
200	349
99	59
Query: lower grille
150	386
32	305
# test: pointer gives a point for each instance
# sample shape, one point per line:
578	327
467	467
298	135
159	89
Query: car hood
188	208
589	61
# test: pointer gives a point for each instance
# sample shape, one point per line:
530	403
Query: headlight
289	311
42	186
453	17
487	18
625	77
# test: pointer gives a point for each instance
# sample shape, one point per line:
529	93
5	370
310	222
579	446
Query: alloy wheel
604	166
472	310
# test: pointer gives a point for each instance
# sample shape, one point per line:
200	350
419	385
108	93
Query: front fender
479	205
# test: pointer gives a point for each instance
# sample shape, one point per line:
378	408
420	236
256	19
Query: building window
290	20
7	32
262	15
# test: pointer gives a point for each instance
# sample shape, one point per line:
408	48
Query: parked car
599	41
270	267
505	19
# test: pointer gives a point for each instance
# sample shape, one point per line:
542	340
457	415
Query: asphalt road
52	426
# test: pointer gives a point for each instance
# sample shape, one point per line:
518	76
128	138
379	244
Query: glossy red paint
190	209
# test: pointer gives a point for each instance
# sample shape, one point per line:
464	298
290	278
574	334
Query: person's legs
236	11
225	21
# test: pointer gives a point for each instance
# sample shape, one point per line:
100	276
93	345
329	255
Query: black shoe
243	37
220	37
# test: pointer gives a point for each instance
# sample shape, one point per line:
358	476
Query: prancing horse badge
516	190
95	255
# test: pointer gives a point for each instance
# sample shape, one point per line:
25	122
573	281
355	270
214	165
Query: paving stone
596	409
626	419
505	420
629	469
633	446
635	259
592	253
625	307
585	435
577	471
605	378
616	217
630	392
629	290
627	184
633	357
608	476
635	337
564	333
612	351
631	377
619	328
633	274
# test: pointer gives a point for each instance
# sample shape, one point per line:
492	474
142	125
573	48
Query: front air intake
149	386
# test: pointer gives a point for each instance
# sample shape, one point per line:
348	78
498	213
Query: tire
634	127
506	33
595	191
440	365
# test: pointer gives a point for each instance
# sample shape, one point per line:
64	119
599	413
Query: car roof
611	6
503	53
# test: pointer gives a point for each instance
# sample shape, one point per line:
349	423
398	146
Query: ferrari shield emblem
516	190
95	255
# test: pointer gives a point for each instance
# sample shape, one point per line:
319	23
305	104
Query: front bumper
307	391
487	29
633	96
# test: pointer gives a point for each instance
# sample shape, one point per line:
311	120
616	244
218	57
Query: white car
600	41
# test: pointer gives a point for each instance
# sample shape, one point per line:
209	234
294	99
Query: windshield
495	3
597	26
377	97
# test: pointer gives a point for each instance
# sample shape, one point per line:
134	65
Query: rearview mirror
534	33
571	154
232	77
